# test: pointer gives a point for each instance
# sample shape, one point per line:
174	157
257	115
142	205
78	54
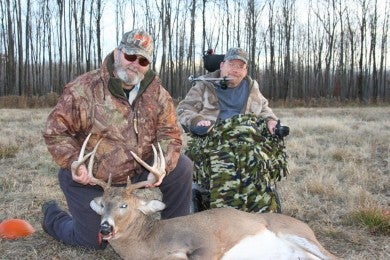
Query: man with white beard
124	104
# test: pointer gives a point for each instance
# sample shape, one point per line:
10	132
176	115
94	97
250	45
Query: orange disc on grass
15	228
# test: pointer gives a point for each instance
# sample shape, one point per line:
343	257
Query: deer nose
105	228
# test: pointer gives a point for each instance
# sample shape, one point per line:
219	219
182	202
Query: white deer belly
266	245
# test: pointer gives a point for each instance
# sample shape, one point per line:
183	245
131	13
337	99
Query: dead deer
223	233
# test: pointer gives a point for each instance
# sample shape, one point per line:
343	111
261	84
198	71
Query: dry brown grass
48	100
339	182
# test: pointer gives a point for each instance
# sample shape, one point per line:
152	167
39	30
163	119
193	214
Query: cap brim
236	57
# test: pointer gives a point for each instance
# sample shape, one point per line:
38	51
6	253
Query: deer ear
151	207
96	205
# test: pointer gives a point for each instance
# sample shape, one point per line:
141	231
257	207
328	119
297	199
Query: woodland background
304	53
299	50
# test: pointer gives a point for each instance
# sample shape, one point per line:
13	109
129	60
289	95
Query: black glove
281	130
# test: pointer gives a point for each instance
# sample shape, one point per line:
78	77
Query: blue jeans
81	226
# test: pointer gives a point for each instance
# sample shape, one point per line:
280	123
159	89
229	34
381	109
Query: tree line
298	49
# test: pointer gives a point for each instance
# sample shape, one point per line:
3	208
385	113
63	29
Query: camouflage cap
236	54
137	42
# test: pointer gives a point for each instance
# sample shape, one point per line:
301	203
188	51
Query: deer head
117	201
120	208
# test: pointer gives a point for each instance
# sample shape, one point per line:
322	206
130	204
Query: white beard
124	76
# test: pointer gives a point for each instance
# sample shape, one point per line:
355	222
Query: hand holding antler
157	170
80	172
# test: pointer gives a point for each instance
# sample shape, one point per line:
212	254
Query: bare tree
3	57
98	17
153	25
318	47
10	76
120	18
88	45
169	22
271	44
78	31
48	21
352	55
227	27
341	79
82	36
19	31
204	37
252	21
329	22
363	29
61	35
372	56
288	21
384	43
27	68
191	43
163	24
69	58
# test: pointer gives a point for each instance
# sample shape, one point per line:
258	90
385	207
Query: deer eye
123	206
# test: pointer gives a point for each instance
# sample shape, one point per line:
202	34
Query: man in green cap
239	157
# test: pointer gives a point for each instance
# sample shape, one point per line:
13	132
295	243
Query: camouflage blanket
239	162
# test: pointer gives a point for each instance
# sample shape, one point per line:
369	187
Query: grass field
339	182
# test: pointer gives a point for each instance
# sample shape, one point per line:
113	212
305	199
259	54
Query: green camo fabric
239	161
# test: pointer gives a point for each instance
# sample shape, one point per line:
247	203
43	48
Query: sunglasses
141	60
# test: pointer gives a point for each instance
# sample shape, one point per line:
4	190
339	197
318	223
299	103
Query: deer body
224	233
213	234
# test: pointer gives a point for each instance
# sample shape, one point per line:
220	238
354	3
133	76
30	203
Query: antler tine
99	182
82	158
130	187
157	169
92	154
156	158
76	164
162	162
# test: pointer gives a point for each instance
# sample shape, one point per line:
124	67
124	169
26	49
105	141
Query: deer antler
157	169
76	164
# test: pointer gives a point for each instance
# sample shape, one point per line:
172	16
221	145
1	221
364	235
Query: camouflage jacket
201	102
96	103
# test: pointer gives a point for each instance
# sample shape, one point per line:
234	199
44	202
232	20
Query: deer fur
223	233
